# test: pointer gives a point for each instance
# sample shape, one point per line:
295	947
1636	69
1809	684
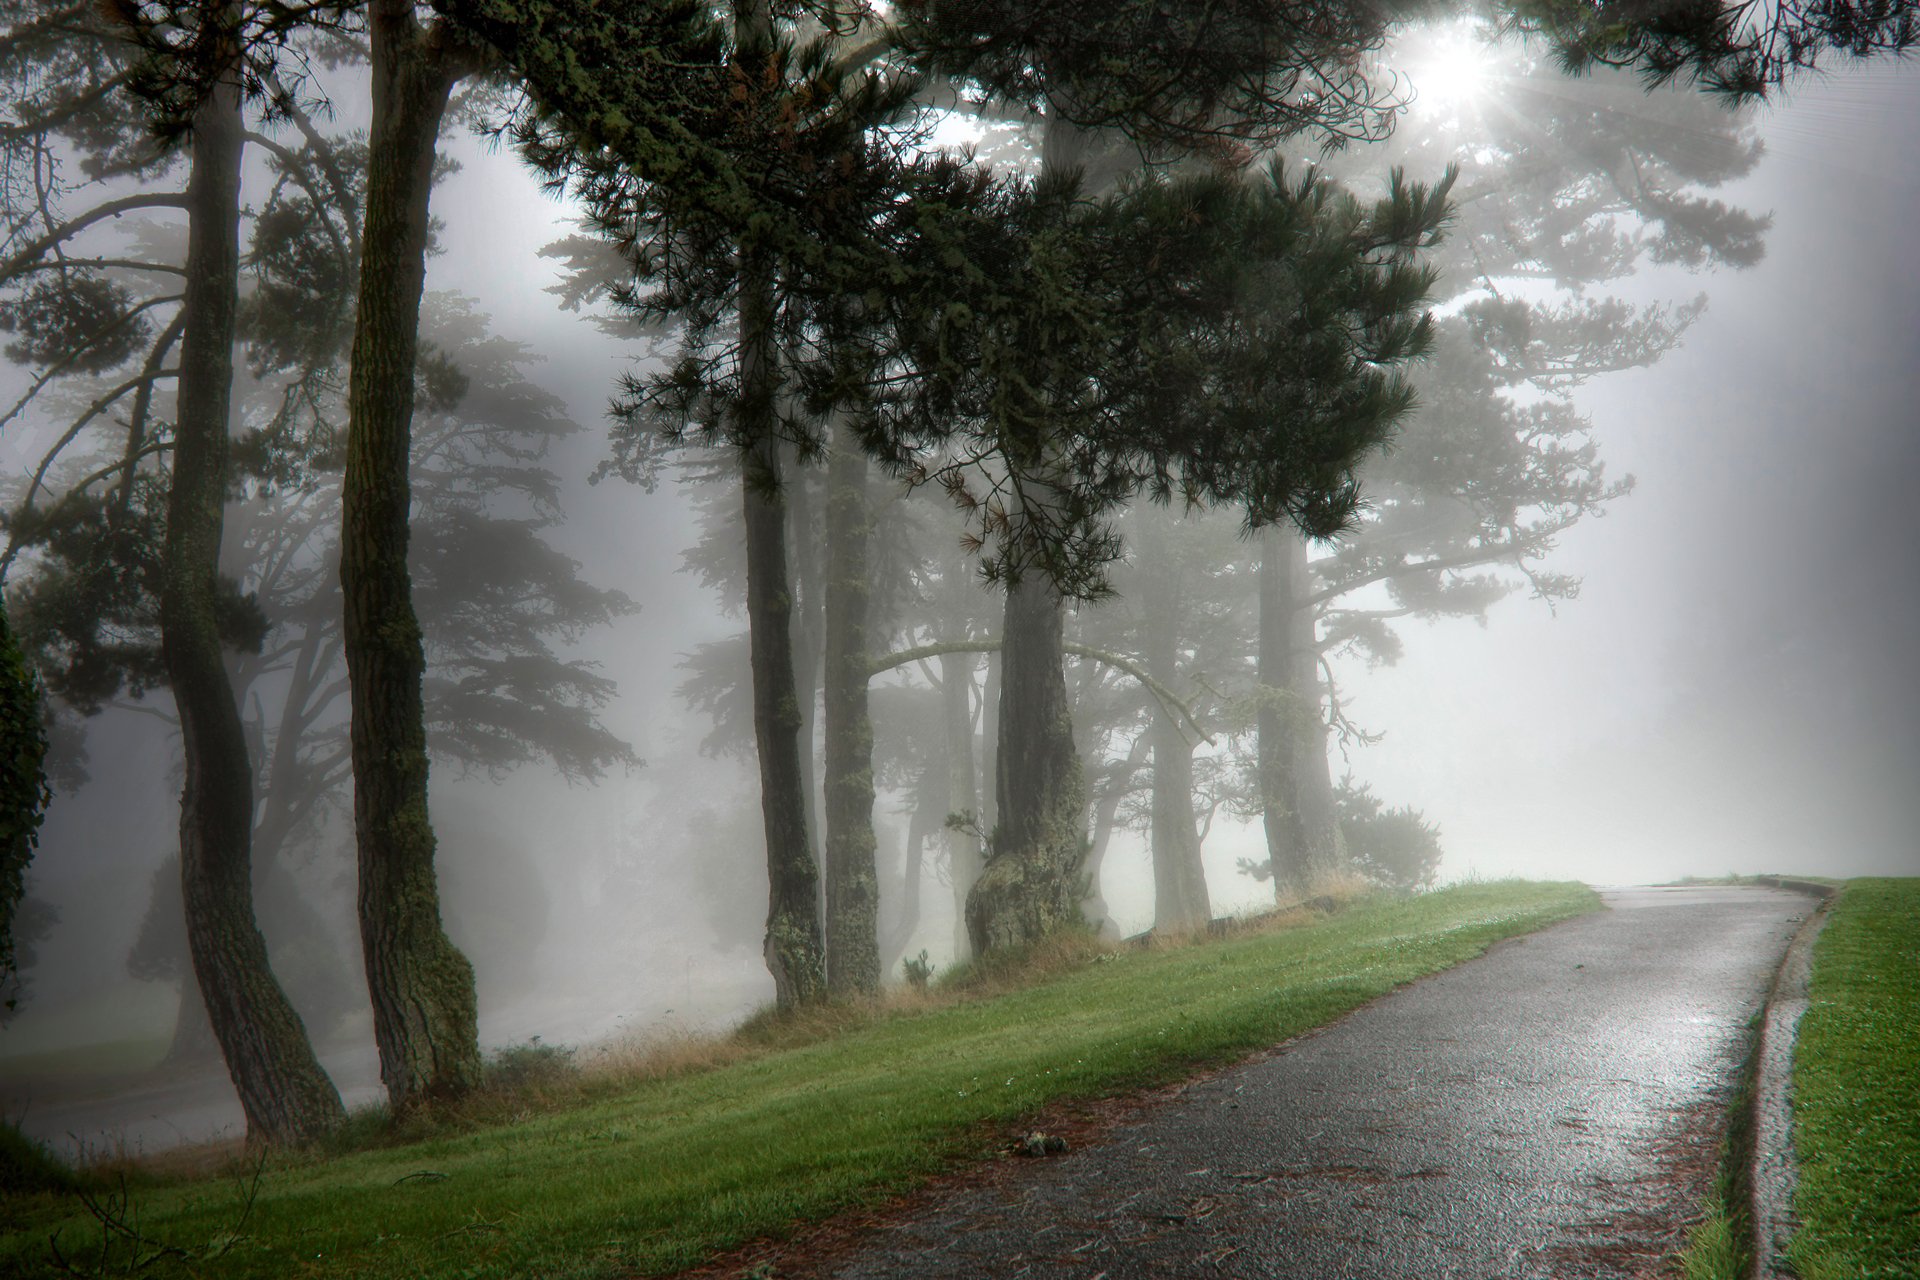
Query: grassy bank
1856	1090
659	1174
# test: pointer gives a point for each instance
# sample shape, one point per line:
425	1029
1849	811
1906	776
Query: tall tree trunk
424	1017
990	686
923	827
1106	815
963	788
1179	878
809	635
793	945
853	945
1031	884
1303	830
286	1095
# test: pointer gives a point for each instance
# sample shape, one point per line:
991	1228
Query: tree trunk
1179	878
793	946
285	1093
1031	884
853	946
963	788
990	686
809	636
1106	813
922	828
1303	830
424	1014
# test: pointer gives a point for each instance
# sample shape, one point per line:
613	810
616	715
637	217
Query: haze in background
1734	690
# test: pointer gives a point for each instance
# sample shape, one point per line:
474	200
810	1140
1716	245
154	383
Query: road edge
1772	1171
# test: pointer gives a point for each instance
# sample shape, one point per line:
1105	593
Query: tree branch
1170	702
99	213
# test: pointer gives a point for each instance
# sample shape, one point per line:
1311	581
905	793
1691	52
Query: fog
1732	689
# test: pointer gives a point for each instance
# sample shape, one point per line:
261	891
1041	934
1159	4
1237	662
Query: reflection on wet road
1550	1110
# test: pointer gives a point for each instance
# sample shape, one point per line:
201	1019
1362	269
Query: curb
1772	1172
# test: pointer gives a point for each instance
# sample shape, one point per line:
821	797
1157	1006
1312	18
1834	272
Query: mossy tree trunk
425	1019
283	1090
1030	886
1296	791
853	944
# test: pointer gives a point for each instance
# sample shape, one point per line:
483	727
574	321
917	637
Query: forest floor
662	1166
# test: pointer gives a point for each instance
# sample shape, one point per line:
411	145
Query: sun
1449	66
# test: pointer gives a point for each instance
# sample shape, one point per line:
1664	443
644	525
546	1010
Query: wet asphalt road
1552	1109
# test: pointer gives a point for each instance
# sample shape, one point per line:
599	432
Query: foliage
532	1065
28	1168
1229	341
1740	50
1394	848
1856	1090
652	1178
1214	78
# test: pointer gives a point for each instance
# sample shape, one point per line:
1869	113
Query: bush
532	1065
27	1167
1394	848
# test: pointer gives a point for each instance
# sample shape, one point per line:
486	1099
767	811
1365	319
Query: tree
494	598
1394	848
424	1015
852	882
499	695
1251	365
1566	186
282	1087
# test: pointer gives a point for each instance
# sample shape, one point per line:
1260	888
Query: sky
1733	690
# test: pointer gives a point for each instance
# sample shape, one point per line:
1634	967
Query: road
1553	1110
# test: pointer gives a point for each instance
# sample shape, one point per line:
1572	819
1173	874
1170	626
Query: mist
1730	690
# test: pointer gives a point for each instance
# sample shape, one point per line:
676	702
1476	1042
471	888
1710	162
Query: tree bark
283	1090
425	1018
963	789
793	944
1303	830
809	638
853	945
1031	884
1179	878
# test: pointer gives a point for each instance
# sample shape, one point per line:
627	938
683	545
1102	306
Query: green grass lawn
662	1174
1856	1090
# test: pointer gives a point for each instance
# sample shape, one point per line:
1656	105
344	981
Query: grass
790	1122
1718	1246
1856	1090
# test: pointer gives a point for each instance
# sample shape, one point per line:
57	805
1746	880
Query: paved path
1550	1110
